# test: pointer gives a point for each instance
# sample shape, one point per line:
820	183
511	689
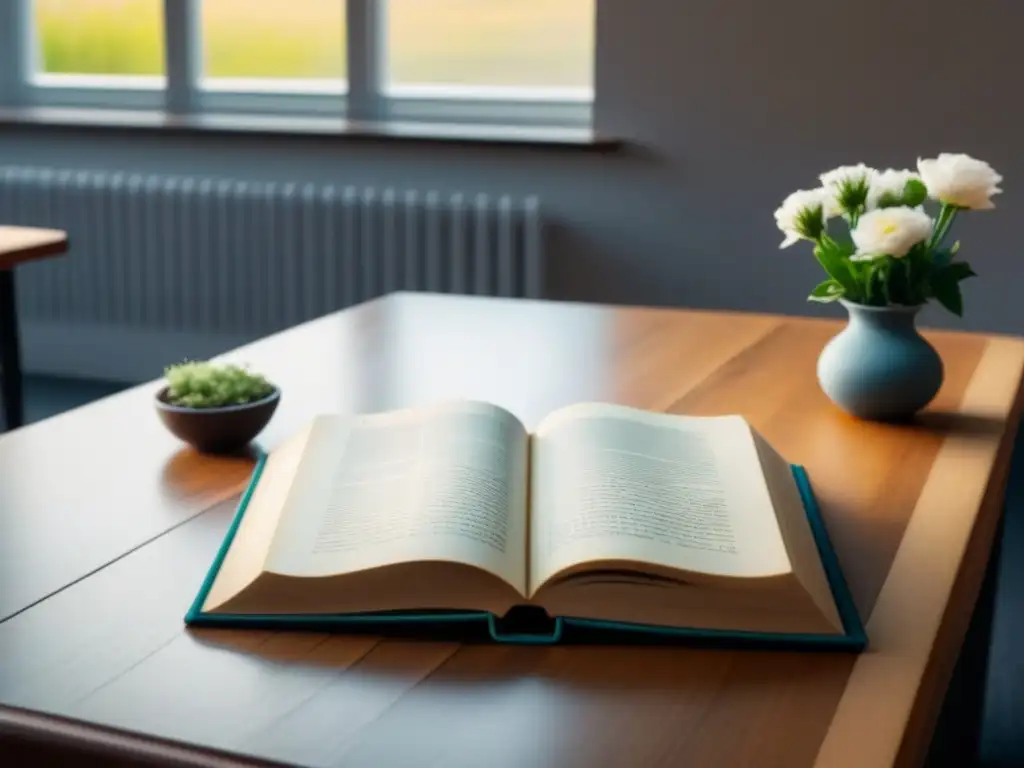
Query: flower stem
942	225
953	211
939	223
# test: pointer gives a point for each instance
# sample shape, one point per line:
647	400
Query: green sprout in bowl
209	385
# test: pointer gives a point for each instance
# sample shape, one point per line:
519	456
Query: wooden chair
18	245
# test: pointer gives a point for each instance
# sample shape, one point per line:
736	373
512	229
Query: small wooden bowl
217	430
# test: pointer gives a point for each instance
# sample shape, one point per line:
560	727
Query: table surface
107	526
20	244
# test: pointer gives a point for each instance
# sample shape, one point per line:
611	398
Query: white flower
847	186
960	180
801	216
889	183
890	232
850	173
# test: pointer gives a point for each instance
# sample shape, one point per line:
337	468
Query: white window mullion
365	45
181	40
15	51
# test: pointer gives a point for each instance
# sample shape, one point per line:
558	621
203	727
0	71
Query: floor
1003	734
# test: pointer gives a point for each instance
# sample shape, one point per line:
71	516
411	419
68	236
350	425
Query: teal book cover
530	625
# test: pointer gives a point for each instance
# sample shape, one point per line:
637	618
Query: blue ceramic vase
879	367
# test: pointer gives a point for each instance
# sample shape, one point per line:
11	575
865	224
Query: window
490	61
87	41
276	45
539	47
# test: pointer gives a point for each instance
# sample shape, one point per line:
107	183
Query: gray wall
726	107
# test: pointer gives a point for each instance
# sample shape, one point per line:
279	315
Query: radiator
233	260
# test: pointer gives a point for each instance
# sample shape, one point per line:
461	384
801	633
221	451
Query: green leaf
881	279
918	268
914	193
960	270
946	289
941	258
834	259
900	287
955	248
866	273
878	283
826	291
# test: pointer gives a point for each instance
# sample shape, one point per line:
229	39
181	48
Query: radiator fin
222	255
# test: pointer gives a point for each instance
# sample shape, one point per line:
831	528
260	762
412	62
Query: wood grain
21	244
81	490
315	699
916	599
139	481
866	518
900	501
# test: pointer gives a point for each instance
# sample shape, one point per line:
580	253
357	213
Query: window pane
292	39
521	43
100	37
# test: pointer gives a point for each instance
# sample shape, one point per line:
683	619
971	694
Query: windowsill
319	126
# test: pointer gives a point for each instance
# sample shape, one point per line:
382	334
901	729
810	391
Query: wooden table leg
10	355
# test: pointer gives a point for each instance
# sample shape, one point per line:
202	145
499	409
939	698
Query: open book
604	512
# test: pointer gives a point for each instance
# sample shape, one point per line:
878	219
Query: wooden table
18	245
107	527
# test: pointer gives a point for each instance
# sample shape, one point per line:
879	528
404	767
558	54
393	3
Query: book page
615	483
245	559
445	483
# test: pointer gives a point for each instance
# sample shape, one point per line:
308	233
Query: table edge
25	726
901	666
1001	353
836	320
54	247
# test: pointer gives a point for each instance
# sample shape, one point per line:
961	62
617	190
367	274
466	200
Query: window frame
363	97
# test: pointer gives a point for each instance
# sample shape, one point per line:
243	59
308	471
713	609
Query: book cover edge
854	637
841	593
195	610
